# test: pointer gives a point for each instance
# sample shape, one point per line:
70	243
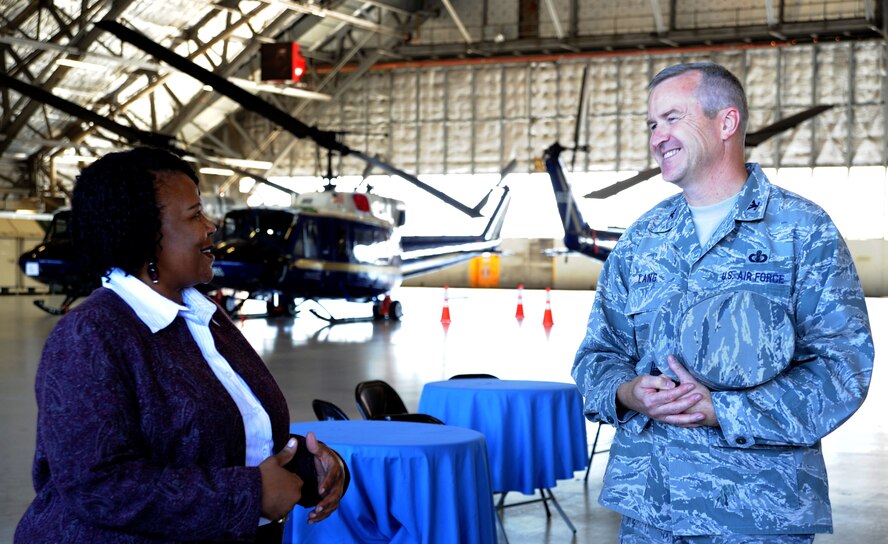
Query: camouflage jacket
762	471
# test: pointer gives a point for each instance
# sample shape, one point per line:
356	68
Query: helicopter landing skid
341	320
385	310
61	310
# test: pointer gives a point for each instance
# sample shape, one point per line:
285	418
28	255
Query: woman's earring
153	274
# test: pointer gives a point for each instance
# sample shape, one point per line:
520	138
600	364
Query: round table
535	431
410	483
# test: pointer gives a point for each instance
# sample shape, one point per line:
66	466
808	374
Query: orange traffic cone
519	313
547	315
445	313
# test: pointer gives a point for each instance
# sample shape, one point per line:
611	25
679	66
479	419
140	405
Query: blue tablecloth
411	483
536	431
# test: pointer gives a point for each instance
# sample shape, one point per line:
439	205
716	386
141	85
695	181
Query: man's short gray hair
718	88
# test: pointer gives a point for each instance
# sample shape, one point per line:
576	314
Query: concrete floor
312	360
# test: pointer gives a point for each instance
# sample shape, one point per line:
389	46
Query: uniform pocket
653	313
759	484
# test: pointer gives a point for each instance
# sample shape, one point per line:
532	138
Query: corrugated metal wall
475	118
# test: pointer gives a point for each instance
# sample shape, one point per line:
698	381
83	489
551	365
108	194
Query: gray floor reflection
311	359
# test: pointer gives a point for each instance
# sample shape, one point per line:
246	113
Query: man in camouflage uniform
737	459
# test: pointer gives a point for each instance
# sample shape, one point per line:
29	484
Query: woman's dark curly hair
115	219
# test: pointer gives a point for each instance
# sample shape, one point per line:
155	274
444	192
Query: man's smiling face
683	141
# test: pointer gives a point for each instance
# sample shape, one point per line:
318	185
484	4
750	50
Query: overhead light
246	185
26	214
277	89
216	171
244	163
113	59
71	63
74	159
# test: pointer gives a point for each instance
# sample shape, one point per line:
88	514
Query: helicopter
329	245
579	237
359	255
54	262
333	245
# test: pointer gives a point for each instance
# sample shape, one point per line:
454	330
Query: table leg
560	511
502	500
545	504
501	506
501	531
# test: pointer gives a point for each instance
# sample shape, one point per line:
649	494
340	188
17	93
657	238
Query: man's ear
730	122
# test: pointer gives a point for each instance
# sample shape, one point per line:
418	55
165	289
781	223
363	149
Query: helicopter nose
247	266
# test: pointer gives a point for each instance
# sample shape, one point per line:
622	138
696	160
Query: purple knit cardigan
137	440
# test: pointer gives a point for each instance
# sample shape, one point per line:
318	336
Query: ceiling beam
82	42
801	31
334	15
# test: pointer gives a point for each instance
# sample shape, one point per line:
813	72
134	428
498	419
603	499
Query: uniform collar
754	196
154	309
750	205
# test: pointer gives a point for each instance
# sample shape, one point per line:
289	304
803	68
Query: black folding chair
377	398
327	411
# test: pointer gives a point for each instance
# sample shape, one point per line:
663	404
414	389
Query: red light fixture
281	62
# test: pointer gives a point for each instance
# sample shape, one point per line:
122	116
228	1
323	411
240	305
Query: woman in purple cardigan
157	422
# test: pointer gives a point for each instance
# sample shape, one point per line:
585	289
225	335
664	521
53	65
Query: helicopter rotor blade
752	139
581	110
755	138
240	171
503	173
510	167
133	135
619	186
365	173
265	109
392	170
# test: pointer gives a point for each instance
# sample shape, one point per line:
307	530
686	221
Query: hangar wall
474	118
524	262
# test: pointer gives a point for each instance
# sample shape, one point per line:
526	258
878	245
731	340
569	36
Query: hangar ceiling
348	44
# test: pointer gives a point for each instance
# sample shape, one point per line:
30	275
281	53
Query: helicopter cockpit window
229	226
58	228
324	238
373	245
307	243
341	253
258	223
